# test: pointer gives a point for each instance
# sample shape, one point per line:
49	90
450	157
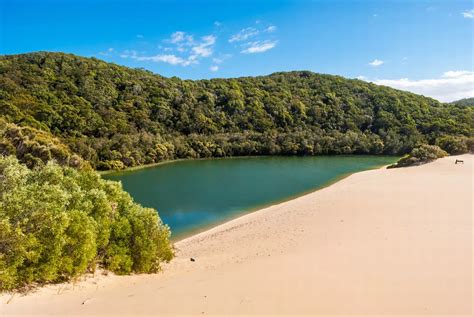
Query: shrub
419	155
35	147
57	223
455	145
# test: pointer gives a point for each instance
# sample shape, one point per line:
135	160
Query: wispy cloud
185	49
256	39
139	36
108	52
244	34
270	29
376	62
251	32
180	37
182	49
221	58
452	85
259	47
468	14
204	48
457	73
129	54
169	58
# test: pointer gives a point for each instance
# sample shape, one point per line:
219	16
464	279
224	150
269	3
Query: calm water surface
197	193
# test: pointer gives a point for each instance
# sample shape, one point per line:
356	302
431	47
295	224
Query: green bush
419	155
57	223
455	145
35	147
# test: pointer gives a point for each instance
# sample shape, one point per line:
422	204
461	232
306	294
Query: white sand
391	242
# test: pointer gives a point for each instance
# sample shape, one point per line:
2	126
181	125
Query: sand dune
391	242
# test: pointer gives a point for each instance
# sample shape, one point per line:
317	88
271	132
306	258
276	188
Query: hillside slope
464	102
114	116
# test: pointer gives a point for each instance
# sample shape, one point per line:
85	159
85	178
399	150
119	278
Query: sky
415	45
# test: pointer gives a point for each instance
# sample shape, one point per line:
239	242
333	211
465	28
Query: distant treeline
85	111
464	102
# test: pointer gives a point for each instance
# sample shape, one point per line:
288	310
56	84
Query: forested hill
54	105
464	102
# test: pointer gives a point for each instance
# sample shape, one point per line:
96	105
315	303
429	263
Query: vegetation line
85	112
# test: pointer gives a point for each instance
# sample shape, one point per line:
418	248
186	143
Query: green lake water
194	194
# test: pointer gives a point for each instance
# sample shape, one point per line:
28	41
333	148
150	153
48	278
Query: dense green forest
85	111
464	102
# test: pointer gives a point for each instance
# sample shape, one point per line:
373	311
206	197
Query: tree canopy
464	102
113	117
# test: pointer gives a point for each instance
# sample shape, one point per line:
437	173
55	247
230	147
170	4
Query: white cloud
221	58
214	68
217	24
361	77
166	58
139	36
204	48
244	34
109	51
259	47
129	54
456	73
452	85
177	37
203	51
181	41
270	29
376	62
190	51
468	14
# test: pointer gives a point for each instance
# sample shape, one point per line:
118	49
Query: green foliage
464	102
116	117
456	145
421	154
35	147
58	222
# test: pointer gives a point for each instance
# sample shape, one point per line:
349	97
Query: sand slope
392	242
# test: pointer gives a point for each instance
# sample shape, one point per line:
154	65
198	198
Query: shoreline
205	228
380	233
151	165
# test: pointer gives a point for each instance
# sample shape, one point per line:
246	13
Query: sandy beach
381	242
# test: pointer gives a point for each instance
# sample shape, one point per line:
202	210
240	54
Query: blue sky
422	46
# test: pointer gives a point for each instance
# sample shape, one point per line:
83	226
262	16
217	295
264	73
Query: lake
193	194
